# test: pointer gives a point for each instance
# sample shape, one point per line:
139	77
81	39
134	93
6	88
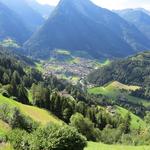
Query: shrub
84	126
53	137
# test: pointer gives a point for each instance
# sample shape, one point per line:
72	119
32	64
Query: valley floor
99	146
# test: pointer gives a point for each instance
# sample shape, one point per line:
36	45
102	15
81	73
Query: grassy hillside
35	113
99	146
4	146
136	121
4	128
115	88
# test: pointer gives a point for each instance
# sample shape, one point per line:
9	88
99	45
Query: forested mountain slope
133	70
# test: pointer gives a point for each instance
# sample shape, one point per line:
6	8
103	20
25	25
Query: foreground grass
99	146
37	114
4	146
4	128
95	146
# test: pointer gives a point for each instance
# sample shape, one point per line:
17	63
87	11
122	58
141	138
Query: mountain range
83	26
76	25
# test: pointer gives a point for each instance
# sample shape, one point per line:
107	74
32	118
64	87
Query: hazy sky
111	4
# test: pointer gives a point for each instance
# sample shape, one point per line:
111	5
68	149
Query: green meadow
100	146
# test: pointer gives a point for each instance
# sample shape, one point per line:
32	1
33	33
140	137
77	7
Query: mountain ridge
137	17
82	25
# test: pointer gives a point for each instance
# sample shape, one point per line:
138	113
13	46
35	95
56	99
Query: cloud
50	2
121	4
111	4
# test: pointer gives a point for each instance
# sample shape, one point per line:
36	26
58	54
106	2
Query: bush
5	93
84	126
110	135
55	137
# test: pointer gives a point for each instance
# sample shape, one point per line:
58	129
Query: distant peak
74	2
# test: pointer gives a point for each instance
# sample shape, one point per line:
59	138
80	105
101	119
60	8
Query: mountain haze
31	18
139	18
43	9
81	25
12	26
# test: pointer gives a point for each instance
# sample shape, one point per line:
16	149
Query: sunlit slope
136	122
35	113
115	88
4	128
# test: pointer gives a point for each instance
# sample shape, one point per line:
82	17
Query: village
75	69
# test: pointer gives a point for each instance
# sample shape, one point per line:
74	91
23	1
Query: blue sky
111	4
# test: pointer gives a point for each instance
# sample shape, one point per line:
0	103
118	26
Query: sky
111	4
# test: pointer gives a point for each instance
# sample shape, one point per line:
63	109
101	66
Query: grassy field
136	121
35	113
95	146
114	89
4	128
5	146
99	146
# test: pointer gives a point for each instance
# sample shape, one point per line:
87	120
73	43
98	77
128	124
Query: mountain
144	10
11	25
31	18
133	70
81	25
43	9
139	18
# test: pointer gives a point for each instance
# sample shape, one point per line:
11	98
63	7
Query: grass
120	86
5	146
62	52
136	121
4	128
37	114
39	66
100	146
114	89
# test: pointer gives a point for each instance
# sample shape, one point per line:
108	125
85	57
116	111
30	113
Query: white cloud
50	2
111	4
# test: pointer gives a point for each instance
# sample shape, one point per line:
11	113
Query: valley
75	76
68	66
